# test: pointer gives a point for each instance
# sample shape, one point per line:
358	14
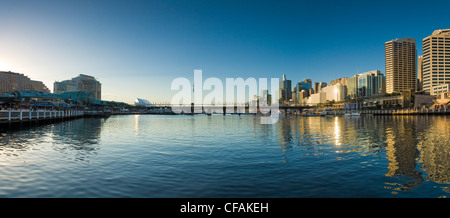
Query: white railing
38	114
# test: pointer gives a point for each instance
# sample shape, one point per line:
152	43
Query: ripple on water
228	156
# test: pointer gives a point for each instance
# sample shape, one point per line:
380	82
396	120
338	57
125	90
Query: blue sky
136	48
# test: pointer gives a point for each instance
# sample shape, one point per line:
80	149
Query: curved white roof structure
142	102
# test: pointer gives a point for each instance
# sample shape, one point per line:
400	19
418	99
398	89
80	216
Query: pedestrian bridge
234	108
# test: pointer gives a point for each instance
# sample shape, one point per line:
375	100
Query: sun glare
7	67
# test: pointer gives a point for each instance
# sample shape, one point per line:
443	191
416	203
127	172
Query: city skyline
138	52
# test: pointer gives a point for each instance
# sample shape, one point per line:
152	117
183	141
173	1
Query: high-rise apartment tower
401	65
436	60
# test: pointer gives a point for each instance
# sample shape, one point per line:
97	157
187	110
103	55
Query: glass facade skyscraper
370	83
366	85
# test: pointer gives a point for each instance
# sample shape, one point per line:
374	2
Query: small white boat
353	113
326	112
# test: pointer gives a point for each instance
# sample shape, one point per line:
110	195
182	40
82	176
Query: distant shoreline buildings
406	75
11	82
16	89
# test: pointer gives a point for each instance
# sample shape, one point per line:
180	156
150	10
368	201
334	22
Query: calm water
231	156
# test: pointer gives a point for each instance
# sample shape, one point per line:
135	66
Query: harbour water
228	156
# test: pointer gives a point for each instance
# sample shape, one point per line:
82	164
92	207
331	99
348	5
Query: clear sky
136	48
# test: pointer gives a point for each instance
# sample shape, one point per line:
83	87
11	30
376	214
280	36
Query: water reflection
413	145
435	150
341	134
14	143
77	139
393	153
402	151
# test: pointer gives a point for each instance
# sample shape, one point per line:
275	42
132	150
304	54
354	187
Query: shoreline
14	118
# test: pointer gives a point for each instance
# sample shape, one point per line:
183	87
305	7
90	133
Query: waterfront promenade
26	115
443	111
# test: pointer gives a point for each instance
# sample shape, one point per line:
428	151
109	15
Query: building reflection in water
77	139
435	149
286	132
402	151
414	149
413	145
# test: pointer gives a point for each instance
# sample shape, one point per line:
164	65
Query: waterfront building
370	83
443	99
327	94
316	87
352	87
334	92
343	81
285	90
79	97
436	59
64	86
294	95
421	101
10	82
315	99
80	83
390	101
442	88
308	84
253	103
420	73
42	98
366	85
302	86
265	97
264	93
401	65
322	85
302	95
